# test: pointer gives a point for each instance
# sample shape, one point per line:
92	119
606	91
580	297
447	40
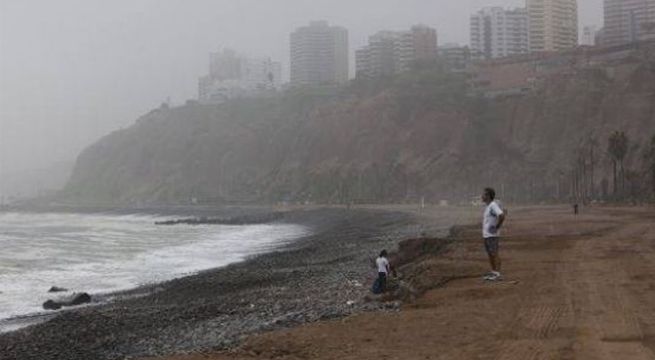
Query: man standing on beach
492	219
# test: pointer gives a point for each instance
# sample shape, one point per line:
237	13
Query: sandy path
576	288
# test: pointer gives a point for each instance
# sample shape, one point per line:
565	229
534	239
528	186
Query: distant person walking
492	220
382	264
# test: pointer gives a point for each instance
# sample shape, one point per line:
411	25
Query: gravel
324	275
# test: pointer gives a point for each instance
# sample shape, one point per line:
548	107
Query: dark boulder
51	305
72	300
57	289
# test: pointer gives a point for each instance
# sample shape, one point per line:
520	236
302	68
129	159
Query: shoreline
100	297
313	278
576	287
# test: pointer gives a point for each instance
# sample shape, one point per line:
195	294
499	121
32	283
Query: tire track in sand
536	329
607	312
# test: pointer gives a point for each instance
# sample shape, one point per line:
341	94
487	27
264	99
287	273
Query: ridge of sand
576	288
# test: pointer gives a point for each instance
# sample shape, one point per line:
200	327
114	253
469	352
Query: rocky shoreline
249	219
324	275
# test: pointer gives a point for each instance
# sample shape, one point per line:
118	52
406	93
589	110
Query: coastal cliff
426	134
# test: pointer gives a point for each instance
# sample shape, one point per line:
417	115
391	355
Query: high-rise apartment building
232	75
628	21
553	24
497	32
423	40
380	57
319	54
393	52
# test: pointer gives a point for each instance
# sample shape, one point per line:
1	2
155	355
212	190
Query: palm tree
617	148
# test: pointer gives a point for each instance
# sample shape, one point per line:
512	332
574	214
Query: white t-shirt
382	264
490	220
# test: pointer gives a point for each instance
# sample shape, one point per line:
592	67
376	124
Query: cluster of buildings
522	48
232	75
543	25
319	52
319	55
393	52
628	21
552	25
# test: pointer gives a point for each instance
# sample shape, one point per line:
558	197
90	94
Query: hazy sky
74	70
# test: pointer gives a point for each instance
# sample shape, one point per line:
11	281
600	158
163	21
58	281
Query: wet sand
575	288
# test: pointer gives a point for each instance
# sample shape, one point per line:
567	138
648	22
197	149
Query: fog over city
72	71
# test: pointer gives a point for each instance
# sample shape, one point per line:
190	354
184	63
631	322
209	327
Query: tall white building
497	32
628	21
393	52
319	54
232	75
553	24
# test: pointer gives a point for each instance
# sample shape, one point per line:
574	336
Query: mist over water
99	253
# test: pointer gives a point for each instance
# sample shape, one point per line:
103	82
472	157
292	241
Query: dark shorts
383	279
491	245
380	284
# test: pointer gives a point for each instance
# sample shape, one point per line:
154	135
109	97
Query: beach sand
576	287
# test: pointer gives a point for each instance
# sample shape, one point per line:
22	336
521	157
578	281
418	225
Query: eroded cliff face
411	139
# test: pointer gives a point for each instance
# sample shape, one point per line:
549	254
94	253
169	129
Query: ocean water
103	253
